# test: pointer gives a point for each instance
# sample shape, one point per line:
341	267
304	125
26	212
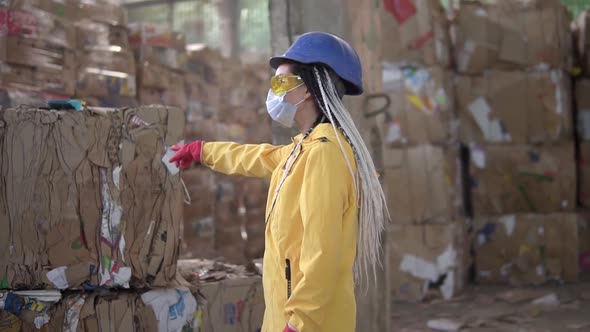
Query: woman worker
325	209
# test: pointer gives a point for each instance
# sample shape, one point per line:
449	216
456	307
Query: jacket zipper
288	277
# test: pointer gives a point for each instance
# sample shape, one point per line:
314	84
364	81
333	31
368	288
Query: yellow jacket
314	225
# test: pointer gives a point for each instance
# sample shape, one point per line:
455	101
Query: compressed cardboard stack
513	99
230	297
228	219
88	200
106	74
36	48
425	245
139	310
218	297
159	52
582	118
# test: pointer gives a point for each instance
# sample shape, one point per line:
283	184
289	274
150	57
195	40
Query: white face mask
280	110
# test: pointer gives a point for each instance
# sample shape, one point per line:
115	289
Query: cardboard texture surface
92	35
514	107
526	249
422	106
422	184
109	12
583	108
584	174
584	240
88	198
522	178
149	311
37	79
512	34
103	73
426	260
36	48
32	24
230	296
414	32
232	305
582	38
199	216
58	8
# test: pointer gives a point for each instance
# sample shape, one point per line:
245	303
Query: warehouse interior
476	115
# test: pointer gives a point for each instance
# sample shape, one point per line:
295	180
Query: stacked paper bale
106	74
143	310
513	99
216	296
87	199
226	103
159	52
36	50
425	245
582	118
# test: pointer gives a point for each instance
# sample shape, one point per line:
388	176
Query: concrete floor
559	308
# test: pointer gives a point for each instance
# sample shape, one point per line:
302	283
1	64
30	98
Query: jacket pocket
288	277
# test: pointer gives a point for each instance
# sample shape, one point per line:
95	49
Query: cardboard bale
426	260
153	75
152	34
583	108
582	38
421	110
230	245
584	240
199	216
526	249
62	9
112	101
29	25
157	44
232	132
202	128
255	230
38	46
150	96
230	297
511	34
415	32
109	12
522	178
92	35
584	174
146	311
13	97
90	202
103	73
37	79
232	305
514	107
422	184
175	94
262	131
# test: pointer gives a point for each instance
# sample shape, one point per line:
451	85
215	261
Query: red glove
186	154
289	329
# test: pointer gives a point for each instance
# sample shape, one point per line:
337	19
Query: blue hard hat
330	50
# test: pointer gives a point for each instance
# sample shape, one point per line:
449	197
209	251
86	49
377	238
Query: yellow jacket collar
321	130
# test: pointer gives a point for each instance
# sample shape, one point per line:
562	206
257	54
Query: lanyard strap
293	155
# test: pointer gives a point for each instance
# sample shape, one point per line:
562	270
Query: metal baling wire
373	207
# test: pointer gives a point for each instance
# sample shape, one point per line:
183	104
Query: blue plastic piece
71	104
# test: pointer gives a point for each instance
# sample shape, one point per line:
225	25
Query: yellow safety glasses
283	83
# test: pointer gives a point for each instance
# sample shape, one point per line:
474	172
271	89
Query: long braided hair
327	90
